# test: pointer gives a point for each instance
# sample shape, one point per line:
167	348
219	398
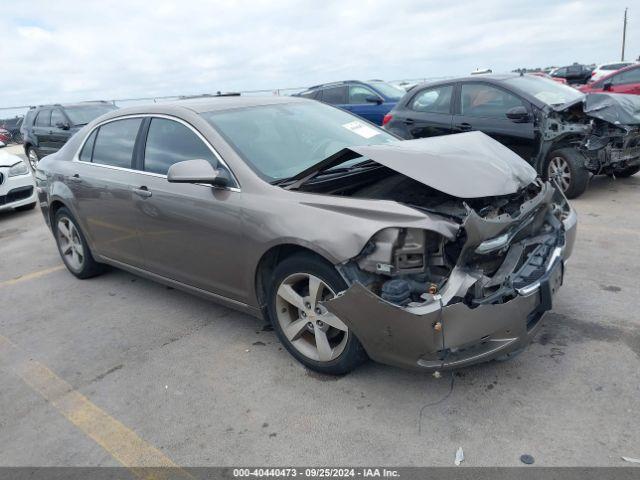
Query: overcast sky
67	50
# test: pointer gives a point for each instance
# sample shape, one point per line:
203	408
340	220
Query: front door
365	103
483	107
101	183
59	133
41	128
189	232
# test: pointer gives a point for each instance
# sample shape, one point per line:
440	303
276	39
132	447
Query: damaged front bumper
447	333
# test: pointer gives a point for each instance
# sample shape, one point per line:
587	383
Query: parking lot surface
120	370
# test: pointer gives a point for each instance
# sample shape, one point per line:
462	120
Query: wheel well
268	262
26	146
53	208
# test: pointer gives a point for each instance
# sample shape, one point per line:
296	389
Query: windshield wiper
360	165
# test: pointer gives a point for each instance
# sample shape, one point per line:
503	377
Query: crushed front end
418	299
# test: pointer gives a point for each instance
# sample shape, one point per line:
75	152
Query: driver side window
170	142
359	94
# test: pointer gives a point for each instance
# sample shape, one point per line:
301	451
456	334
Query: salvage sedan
429	254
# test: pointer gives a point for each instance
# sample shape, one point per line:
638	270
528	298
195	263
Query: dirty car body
449	250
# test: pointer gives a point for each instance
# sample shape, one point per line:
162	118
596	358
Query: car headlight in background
19	168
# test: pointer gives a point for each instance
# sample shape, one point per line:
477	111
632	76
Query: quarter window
115	141
433	100
87	150
481	100
169	142
44	118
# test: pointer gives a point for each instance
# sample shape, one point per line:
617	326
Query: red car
5	137
625	80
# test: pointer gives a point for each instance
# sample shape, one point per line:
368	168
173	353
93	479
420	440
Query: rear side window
334	95
43	119
169	142
433	100
87	150
482	100
115	141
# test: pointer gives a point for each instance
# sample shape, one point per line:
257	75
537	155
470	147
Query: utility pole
624	33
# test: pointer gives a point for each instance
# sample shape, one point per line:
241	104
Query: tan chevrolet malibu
428	254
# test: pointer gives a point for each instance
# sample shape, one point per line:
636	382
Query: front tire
566	167
73	246
315	337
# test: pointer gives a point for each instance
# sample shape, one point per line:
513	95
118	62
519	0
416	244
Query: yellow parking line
31	276
120	442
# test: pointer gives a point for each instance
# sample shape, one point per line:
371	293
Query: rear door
483	107
41	129
102	185
190	233
366	103
428	113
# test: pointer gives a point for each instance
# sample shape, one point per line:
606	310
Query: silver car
430	254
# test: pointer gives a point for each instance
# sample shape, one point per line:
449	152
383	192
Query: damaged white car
429	254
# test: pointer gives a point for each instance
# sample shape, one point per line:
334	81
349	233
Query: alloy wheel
33	159
70	244
310	328
560	172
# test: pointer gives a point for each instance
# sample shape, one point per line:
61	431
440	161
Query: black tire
627	171
29	206
353	354
578	175
88	267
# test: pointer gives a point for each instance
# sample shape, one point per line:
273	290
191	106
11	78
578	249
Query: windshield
544	89
390	91
280	141
82	115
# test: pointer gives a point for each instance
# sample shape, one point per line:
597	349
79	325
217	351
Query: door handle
75	177
409	121
142	191
465	127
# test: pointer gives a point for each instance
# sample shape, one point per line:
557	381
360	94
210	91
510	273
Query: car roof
342	82
73	105
207	104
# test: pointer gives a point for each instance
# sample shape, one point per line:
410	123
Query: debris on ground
437	374
459	456
527	459
632	460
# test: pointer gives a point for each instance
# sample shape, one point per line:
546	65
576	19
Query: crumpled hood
616	108
8	159
464	165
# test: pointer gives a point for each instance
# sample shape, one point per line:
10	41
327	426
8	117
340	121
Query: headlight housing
17	169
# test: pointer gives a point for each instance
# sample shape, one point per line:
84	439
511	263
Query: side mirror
372	99
197	171
63	125
518	114
607	86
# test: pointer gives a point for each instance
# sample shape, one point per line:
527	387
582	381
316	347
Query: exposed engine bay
604	128
503	242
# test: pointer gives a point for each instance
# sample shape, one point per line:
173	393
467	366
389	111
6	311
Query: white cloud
75	50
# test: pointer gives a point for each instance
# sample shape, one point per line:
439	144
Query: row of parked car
563	133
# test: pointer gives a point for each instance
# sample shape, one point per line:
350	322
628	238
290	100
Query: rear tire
73	246
312	335
566	166
627	171
33	157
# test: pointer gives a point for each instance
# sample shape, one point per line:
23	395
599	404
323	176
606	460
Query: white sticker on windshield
361	129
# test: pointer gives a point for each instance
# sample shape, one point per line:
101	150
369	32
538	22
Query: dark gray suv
47	128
